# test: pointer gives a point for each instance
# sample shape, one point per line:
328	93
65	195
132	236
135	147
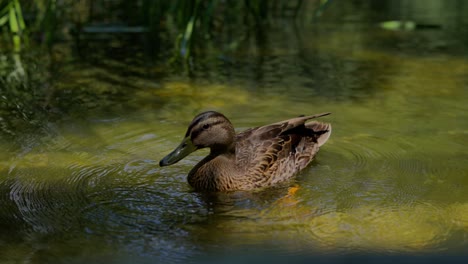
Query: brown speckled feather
275	153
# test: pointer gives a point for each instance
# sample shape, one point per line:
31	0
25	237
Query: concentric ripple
45	206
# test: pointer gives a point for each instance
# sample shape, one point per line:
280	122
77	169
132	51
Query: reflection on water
392	178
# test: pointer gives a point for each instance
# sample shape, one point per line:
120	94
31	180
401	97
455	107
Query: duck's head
207	130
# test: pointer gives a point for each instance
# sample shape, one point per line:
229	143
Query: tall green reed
12	15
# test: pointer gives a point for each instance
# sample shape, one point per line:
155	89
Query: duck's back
276	152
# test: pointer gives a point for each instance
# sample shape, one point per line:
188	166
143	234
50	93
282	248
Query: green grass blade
16	43
13	21
3	20
19	13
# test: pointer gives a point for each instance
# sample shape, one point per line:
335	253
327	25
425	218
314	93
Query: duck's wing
276	152
297	121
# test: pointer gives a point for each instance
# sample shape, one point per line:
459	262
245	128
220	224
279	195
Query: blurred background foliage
178	31
181	24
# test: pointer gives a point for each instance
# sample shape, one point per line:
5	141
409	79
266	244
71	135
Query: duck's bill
185	148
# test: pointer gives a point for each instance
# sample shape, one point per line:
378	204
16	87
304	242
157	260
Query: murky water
391	179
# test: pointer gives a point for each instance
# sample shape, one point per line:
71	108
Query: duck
256	158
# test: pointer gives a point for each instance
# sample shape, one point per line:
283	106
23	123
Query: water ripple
361	150
46	206
390	229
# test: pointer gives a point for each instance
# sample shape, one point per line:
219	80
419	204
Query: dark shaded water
81	182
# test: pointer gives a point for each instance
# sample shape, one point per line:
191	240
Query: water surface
392	178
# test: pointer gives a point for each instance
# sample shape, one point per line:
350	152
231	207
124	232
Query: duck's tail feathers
321	130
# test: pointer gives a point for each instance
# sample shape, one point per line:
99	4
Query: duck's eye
206	126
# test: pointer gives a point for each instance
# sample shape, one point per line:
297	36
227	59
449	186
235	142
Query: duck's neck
216	150
213	173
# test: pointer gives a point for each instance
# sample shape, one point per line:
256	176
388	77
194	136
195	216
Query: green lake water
392	179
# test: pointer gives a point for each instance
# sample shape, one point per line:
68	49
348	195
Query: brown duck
258	157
